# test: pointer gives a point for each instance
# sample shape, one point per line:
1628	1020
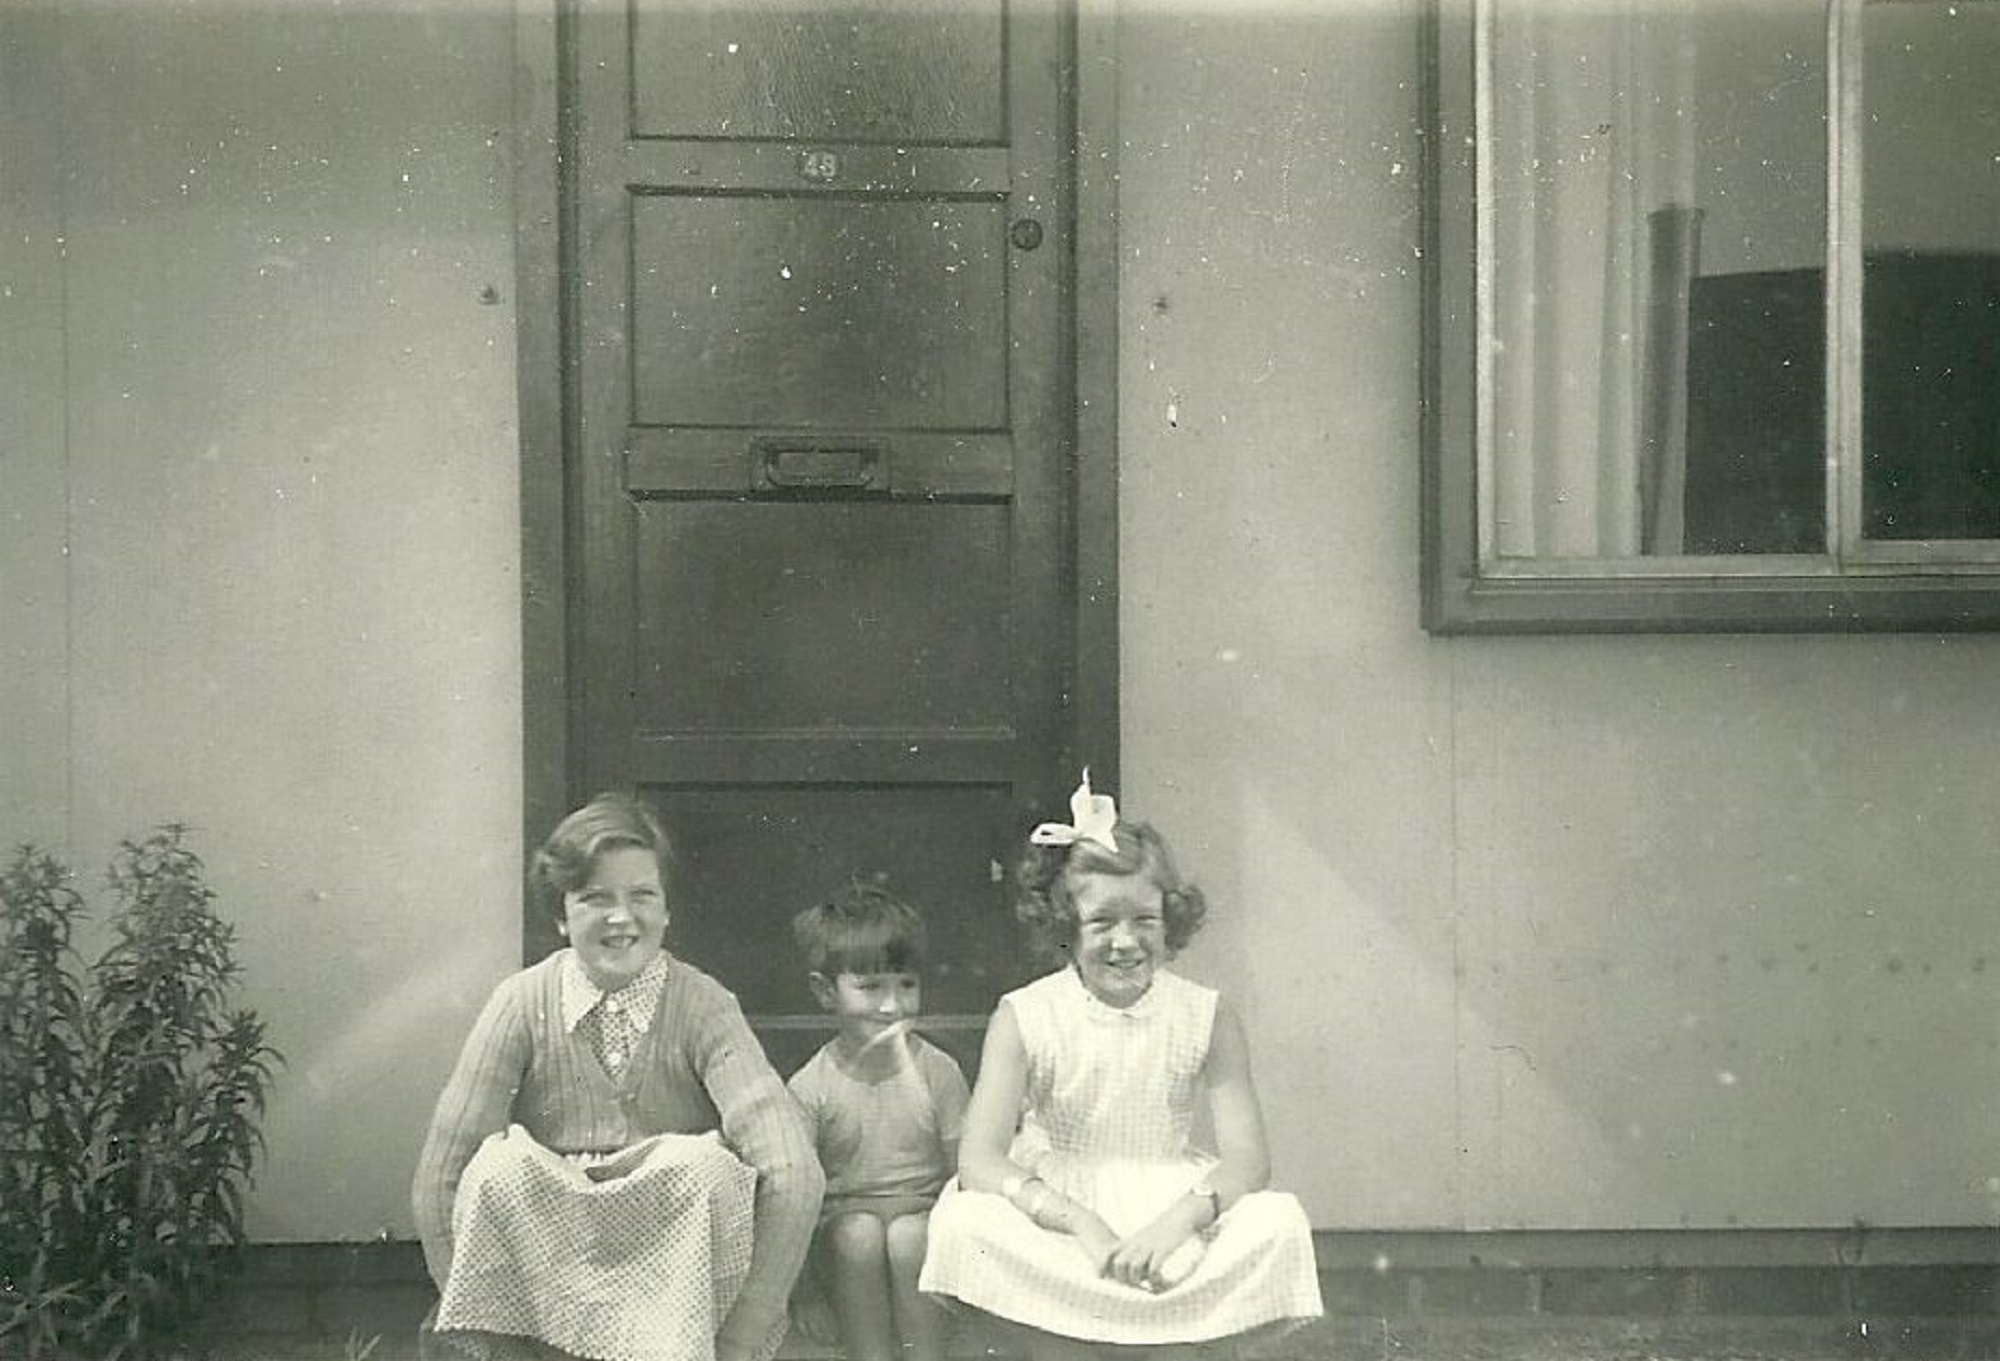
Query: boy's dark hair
862	929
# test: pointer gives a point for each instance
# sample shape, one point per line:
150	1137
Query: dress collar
1098	1009
642	994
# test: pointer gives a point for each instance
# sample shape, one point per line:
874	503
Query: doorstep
1386	1296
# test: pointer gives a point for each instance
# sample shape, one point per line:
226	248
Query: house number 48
820	167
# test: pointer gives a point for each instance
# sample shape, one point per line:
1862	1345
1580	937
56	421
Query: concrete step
1354	1339
306	1302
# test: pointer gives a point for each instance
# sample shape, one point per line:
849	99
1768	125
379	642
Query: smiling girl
613	1169
1084	1211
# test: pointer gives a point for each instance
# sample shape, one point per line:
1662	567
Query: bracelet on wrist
1203	1191
1039	1201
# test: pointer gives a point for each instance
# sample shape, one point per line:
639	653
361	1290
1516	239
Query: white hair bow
1095	815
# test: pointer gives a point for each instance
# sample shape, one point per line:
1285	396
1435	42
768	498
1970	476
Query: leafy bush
130	1096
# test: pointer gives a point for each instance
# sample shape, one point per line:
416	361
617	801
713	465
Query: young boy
887	1107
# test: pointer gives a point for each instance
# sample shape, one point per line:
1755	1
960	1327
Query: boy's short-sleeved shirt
888	1135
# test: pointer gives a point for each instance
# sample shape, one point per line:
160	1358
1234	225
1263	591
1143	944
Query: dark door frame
544	379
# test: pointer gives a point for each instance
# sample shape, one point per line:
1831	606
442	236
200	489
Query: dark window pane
1931	404
1931	298
1756	461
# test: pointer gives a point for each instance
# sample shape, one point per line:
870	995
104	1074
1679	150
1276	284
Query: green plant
130	1096
42	1083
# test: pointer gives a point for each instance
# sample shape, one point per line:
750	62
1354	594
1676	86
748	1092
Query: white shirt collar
580	995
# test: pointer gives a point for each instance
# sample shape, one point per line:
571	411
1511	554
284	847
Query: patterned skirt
634	1257
1250	1275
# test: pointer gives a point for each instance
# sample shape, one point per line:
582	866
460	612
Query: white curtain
1592	132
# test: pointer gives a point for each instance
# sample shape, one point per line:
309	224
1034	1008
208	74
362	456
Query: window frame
1882	587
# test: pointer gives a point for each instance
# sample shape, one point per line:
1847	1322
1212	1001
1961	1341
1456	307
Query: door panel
824	313
831	71
821	474
732	597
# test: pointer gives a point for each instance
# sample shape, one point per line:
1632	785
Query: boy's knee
854	1236
908	1235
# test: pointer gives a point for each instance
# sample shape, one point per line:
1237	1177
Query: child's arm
806	1094
949	1098
1238	1118
765	1127
995	1108
477	1100
990	1122
1244	1163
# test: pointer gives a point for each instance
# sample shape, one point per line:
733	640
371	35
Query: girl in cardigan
613	1170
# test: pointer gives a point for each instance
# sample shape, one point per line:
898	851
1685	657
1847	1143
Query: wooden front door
820	478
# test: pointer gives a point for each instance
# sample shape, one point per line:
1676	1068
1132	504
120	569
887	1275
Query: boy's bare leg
857	1249
921	1320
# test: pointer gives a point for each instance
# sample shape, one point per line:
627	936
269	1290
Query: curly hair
1044	874
564	862
863	929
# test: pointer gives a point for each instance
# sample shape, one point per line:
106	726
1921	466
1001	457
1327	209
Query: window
1714	316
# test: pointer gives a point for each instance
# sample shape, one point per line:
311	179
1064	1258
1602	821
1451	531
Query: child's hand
1094	1236
619	1164
1157	1257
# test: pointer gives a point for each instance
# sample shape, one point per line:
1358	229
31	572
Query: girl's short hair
563	863
863	929
1042	886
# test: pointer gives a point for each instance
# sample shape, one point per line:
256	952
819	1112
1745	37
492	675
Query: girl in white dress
1084	1210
